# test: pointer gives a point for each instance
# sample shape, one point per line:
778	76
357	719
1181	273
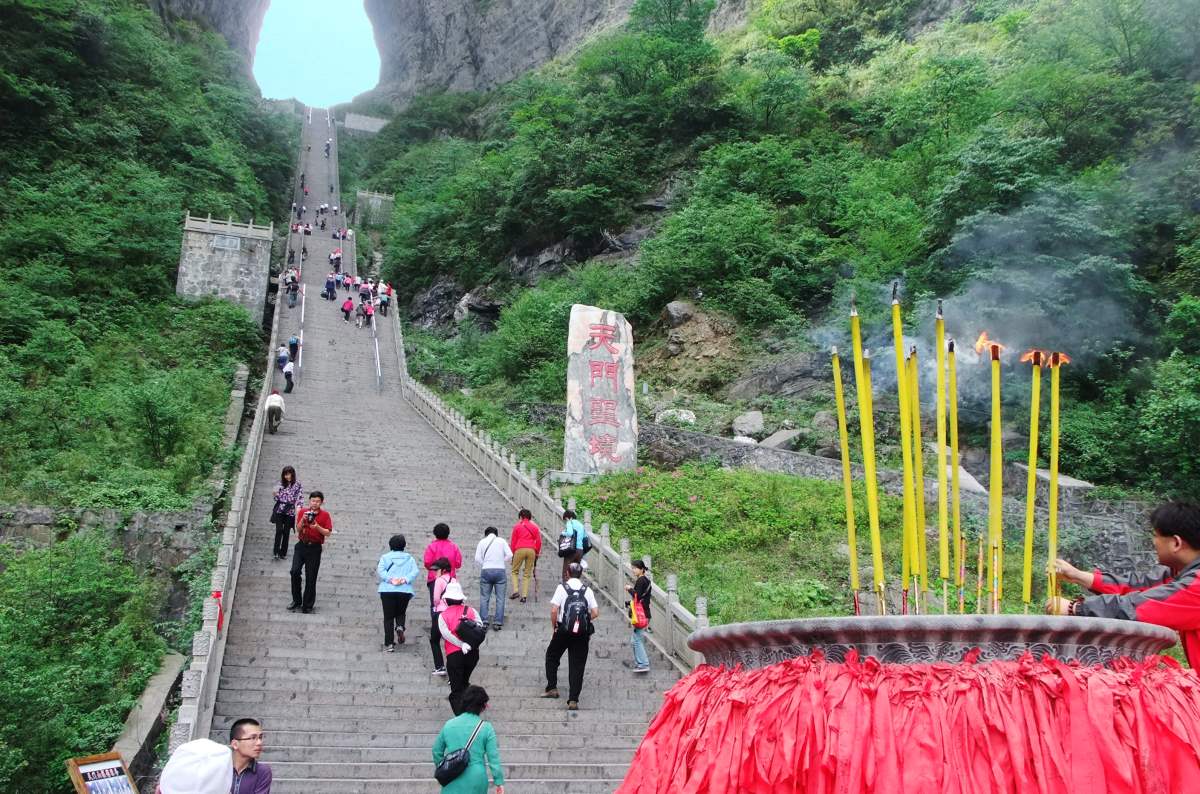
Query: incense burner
923	639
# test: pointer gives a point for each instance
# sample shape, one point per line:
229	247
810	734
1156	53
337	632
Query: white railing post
672	602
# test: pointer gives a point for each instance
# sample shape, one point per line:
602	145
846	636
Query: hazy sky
321	52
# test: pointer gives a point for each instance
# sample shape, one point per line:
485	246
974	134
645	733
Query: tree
682	20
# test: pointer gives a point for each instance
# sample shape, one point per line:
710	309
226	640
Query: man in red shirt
1168	598
313	525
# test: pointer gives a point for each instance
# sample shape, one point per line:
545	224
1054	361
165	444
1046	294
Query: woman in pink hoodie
526	544
441	548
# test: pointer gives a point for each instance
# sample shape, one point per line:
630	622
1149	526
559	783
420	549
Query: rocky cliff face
465	45
239	21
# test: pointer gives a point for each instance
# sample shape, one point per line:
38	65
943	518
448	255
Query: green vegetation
760	546
111	390
77	645
1036	159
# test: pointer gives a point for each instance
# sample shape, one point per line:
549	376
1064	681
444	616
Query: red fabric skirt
1024	726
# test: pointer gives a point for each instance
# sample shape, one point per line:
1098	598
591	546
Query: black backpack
576	617
470	631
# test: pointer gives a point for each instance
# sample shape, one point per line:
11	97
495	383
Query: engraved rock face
601	427
932	638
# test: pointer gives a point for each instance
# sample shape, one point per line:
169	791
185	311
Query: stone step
423	770
334	740
319	688
421	754
594	720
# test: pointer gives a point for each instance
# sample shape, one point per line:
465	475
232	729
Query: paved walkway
339	713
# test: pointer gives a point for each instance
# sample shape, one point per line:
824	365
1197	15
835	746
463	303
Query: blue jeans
639	648
492	581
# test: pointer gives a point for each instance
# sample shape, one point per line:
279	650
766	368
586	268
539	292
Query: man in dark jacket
1170	597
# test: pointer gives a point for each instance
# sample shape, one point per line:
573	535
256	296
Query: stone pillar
601	429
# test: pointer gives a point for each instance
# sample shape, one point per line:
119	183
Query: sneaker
307	610
572	705
292	607
513	597
497	626
641	669
522	599
439	671
550	693
390	648
400	636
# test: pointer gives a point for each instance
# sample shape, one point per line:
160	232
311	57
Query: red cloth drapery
1025	726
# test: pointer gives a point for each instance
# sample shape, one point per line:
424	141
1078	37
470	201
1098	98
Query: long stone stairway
340	714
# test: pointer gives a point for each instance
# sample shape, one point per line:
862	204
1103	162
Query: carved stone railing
608	568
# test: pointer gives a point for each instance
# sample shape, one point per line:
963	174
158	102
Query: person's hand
1058	606
499	789
395	581
401	580
628	588
1066	570
466	647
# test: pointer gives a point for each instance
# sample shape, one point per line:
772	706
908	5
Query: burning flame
1042	357
984	342
1063	358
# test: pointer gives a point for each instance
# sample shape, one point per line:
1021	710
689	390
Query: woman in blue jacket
396	572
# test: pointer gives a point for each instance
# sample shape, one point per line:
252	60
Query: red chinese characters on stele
602	372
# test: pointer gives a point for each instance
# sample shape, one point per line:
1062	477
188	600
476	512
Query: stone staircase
340	714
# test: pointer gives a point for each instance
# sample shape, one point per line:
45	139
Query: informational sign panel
100	774
601	431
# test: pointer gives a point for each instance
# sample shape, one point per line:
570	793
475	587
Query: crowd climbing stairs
340	714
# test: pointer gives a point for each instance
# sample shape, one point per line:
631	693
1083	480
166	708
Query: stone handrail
609	568
230	226
198	692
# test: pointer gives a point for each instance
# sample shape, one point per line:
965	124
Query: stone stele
601	431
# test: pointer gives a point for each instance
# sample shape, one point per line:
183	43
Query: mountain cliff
239	21
466	45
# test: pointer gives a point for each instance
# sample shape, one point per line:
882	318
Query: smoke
1053	274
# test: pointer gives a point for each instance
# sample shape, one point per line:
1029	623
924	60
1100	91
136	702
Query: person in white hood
198	767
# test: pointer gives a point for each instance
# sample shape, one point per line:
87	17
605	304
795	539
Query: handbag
470	631
566	545
455	763
637	614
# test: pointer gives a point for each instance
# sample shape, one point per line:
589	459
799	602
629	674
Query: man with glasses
249	775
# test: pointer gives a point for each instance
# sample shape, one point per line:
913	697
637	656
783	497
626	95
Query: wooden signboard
101	774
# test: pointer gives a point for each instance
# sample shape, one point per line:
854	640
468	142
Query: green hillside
1034	161
111	391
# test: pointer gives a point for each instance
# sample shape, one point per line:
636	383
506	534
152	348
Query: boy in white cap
198	767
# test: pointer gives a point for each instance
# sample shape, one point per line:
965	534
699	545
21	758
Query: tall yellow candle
960	550
939	330
866	420
1035	399
847	483
1056	362
914	402
995	486
906	453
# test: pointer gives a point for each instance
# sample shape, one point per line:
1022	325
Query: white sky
321	52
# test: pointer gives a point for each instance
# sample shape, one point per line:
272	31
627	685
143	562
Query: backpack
575	617
468	629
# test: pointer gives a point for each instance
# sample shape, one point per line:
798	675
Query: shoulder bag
455	763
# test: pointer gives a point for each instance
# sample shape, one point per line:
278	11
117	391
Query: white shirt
560	594
289	368
275	401
493	552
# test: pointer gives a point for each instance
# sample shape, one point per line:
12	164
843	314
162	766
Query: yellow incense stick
866	421
995	485
1056	362
914	401
1031	479
847	484
940	416
910	520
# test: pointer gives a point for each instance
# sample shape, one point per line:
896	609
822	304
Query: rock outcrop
474	45
239	21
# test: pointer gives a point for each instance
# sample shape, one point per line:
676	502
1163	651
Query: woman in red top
461	658
526	544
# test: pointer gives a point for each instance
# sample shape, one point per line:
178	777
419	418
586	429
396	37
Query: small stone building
226	259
